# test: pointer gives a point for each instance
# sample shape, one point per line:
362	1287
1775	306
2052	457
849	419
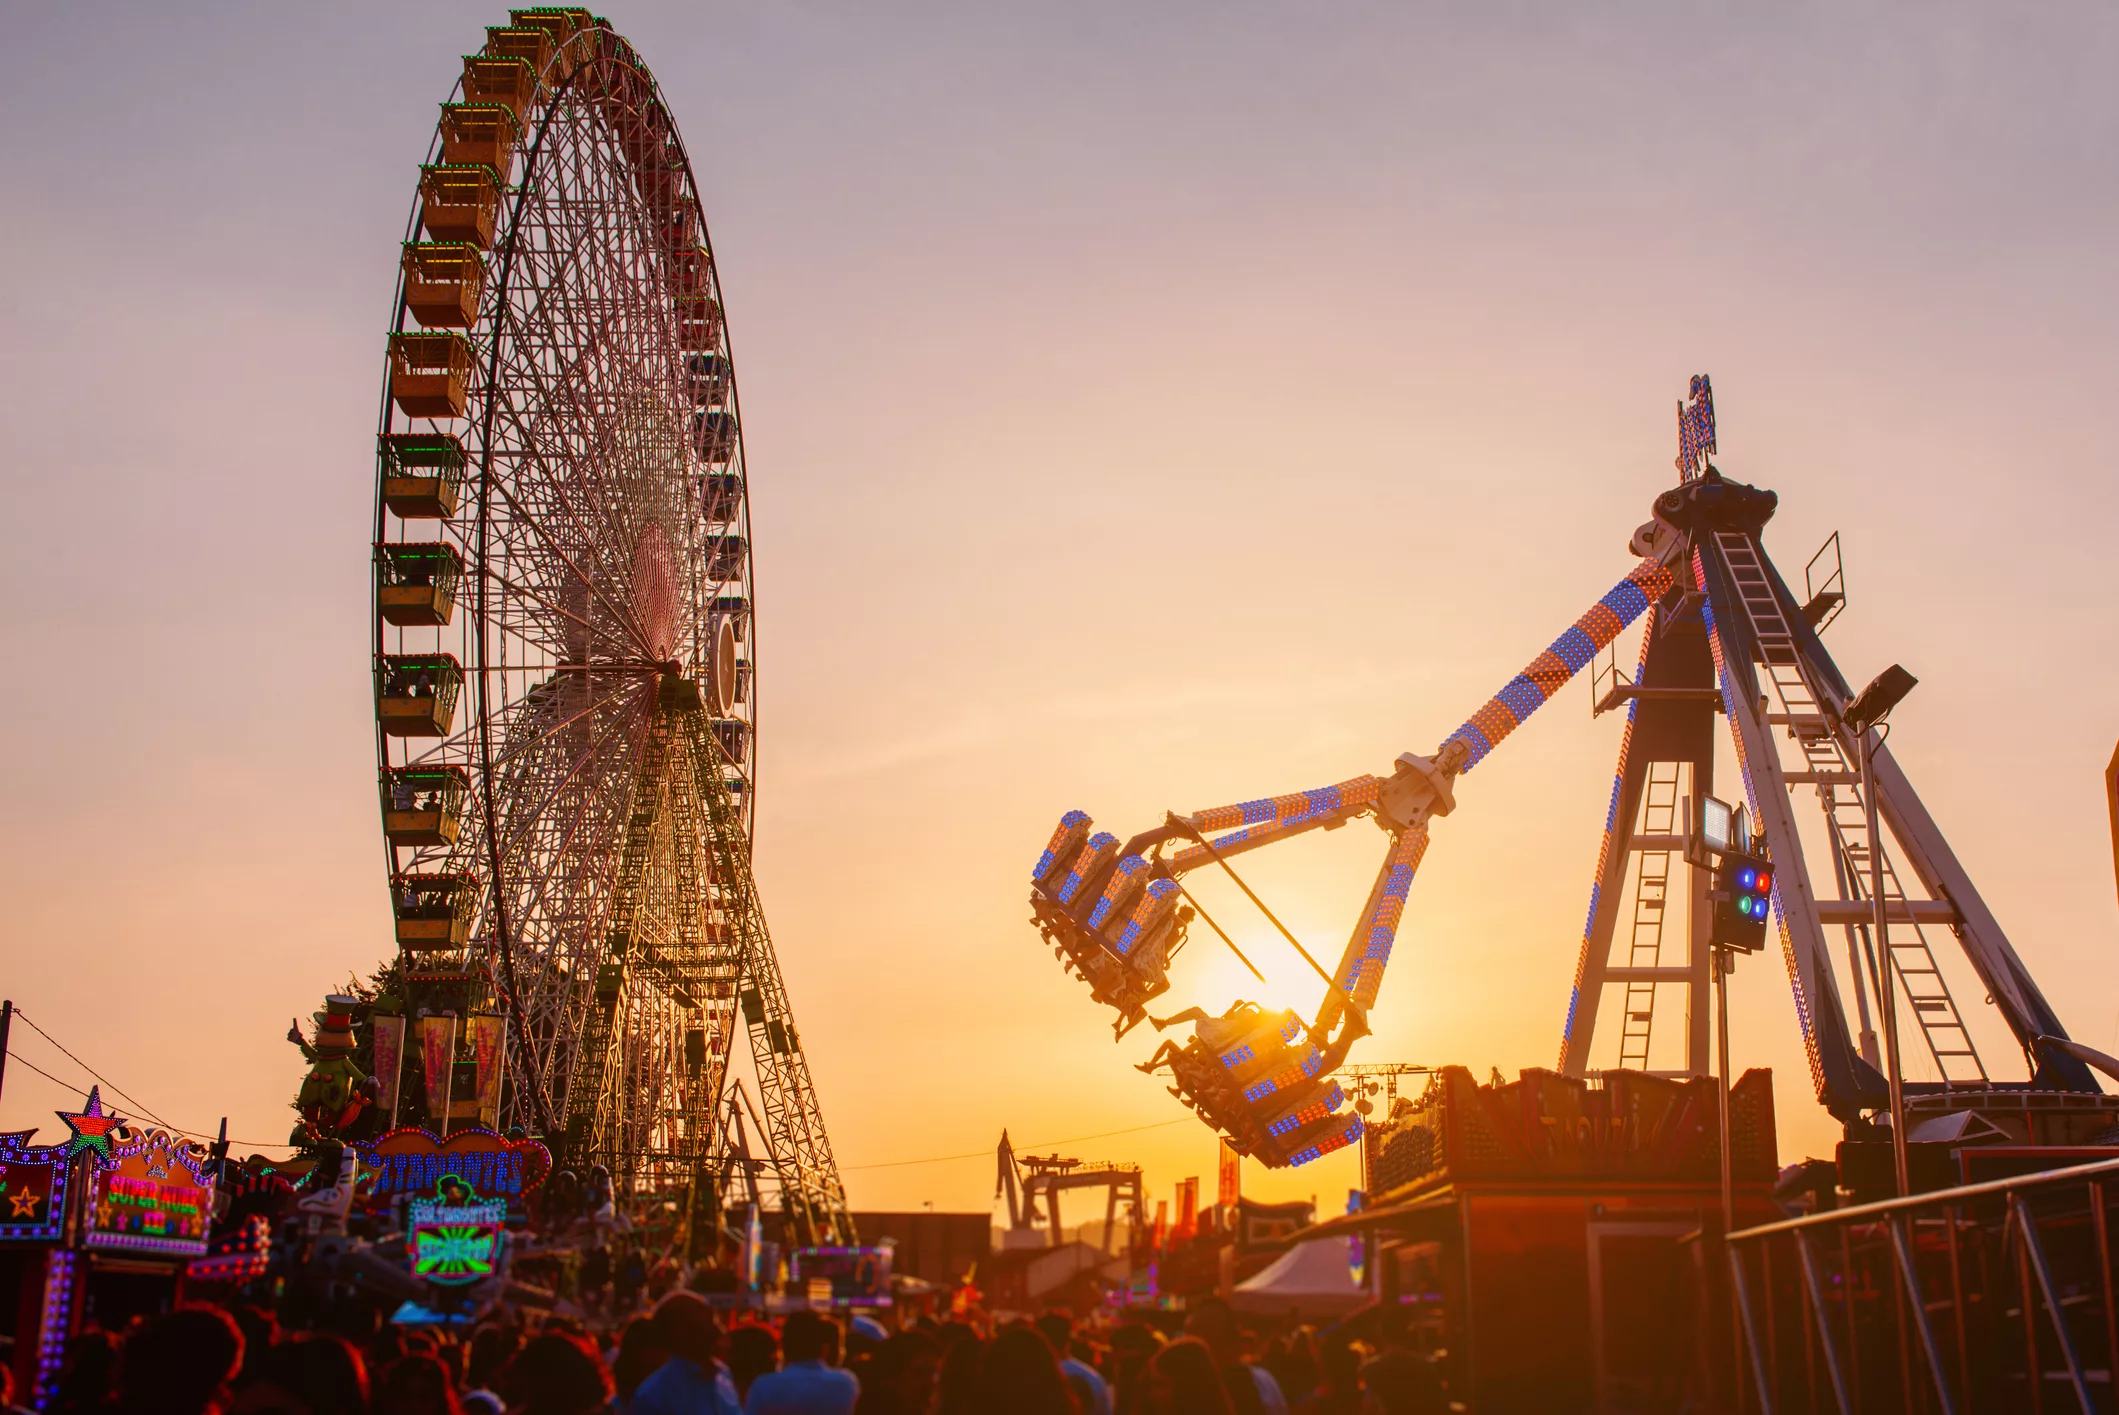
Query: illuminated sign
240	1255
414	1161
156	1198
32	1189
848	1277
455	1238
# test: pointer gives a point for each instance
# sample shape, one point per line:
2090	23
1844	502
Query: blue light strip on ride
1157	900
1531	689
1129	869
1362	977
1327	1145
1316	1110
1071	828
1304	1070
1101	847
1611	824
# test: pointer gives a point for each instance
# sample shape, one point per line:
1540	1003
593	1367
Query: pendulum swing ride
1725	636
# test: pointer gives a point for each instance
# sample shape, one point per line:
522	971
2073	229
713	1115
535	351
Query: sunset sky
1146	407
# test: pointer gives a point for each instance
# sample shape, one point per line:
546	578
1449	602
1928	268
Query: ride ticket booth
1536	1237
95	1229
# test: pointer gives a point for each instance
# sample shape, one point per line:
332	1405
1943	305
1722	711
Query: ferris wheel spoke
589	583
590	592
636	682
544	602
566	550
606	738
567	847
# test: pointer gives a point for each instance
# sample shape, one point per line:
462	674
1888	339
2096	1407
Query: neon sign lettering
455	1236
156	1198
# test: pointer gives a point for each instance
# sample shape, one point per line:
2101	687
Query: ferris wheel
565	631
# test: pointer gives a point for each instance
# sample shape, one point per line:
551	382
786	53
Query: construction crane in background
1033	1184
1366	1081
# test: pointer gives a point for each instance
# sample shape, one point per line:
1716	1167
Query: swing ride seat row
1116	913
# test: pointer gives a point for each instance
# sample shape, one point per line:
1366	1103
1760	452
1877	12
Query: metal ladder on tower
1827	767
1650	902
1921	983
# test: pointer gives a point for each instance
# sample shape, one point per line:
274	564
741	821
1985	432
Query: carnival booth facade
98	1227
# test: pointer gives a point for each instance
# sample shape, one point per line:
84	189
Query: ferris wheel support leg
797	1147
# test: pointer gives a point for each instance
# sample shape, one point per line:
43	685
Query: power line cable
115	1090
14	1055
136	1102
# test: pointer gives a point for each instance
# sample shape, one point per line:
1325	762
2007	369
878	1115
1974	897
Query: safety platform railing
1991	1296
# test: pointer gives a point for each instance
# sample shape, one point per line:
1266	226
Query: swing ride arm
1116	913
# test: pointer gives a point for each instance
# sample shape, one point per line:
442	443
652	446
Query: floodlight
1717	824
1884	692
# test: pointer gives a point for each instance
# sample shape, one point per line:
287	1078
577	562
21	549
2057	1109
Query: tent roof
1312	1276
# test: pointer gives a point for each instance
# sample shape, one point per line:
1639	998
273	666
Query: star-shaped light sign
25	1204
91	1127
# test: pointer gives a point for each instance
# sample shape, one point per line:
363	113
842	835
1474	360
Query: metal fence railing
1989	1297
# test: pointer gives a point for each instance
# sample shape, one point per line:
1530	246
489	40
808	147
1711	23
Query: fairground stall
1564	1209
99	1228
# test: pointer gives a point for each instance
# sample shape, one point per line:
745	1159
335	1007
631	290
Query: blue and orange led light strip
1573	651
1611	825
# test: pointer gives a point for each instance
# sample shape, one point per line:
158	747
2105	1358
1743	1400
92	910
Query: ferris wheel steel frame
595	879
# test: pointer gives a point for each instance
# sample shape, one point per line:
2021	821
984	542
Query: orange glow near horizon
1144	411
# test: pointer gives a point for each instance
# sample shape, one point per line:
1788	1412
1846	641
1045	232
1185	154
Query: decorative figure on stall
326	1209
337	1099
93	1127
